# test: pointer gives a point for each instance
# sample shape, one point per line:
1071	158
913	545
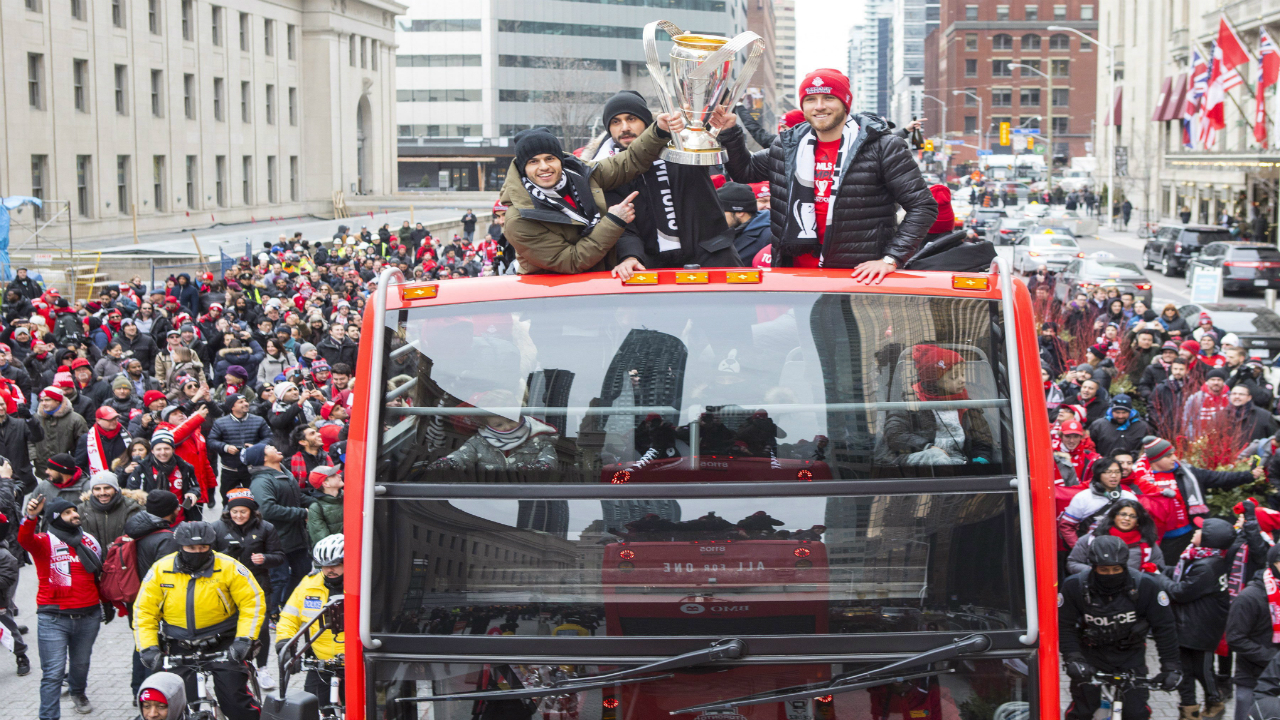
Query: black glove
1250	509
239	649
1079	670
150	657
108	612
1168	680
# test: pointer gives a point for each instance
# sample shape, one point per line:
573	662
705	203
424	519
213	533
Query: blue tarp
12	202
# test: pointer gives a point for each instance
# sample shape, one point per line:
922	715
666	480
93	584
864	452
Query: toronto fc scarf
801	229
658	195
61	554
1193	553
581	210
97	458
1273	602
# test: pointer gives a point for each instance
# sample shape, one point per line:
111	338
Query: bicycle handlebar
1123	678
198	658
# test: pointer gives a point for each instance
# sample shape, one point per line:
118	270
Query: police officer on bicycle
200	601
1104	615
306	601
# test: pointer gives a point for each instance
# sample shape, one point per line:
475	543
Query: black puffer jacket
242	542
154	537
881	175
1199	594
1249	632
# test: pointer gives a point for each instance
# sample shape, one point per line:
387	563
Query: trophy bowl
701	80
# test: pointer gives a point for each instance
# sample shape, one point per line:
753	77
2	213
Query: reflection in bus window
706	387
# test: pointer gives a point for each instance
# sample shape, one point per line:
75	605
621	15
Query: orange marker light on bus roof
419	292
647	277
742	276
692	277
970	282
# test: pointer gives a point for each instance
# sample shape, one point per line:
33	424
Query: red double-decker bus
515	436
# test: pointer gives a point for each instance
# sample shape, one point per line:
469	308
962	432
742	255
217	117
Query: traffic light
1031	143
1004	133
928	146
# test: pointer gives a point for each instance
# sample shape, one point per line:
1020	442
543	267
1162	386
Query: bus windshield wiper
854	681
724	650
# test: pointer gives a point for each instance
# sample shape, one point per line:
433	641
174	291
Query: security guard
305	603
1104	614
228	608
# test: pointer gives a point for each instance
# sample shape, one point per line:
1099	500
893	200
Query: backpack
119	581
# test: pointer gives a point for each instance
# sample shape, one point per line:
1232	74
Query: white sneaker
264	680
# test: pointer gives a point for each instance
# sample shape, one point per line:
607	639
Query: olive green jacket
547	241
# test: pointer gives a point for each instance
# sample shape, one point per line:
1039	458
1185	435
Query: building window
39	167
1060	41
1002	98
191	182
244	32
187	7
246	185
970	41
220	180
1060	125
123	206
271	105
1086	12
293	197
35	80
1061	97
1002	13
462	25
122	83
77	9
1000	68
80	85
1060	68
246	103
1059	12
153	16
1031	13
1030	41
288	42
1029	97
446	95
268	37
1002	41
970	12
970	124
364	53
1031	123
503	61
373	55
1033	63
215	25
117	13
971	67
351	51
218	89
33	5
189	96
82	185
293	107
157	182
271	179
157	92
969	99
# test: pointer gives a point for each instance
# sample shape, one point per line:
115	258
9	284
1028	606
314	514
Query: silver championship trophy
702	70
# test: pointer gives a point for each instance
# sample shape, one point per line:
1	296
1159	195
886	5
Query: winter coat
908	432
1078	560
142	346
71	492
243	541
82	404
228	430
61	431
1087	505
188	295
281	503
172	370
754	236
154	537
271	366
108	368
107	523
1111	438
27	287
146	477
191	447
1152	375
112	448
283	423
79	592
18	375
324	517
9	569
477	454
879	175
334	353
1200	602
1249	632
1254	422
547	241
15	435
125	407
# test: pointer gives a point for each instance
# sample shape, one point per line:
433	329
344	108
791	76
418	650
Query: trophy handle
727	53
666	97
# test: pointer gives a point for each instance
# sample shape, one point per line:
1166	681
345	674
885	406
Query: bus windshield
695	388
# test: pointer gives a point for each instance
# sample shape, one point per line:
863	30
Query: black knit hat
161	502
533	142
736	197
627	101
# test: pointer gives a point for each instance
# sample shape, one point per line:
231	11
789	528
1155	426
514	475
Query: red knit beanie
932	361
826	81
946	221
792	119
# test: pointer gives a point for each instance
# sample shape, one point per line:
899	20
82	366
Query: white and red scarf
1273	602
97	459
61	555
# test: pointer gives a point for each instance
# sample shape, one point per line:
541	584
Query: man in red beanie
836	181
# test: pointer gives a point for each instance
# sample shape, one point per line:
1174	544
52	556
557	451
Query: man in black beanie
750	227
678	220
560	221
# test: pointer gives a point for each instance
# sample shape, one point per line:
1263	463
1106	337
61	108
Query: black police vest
1112	622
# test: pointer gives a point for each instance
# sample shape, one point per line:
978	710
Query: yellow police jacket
303	605
189	607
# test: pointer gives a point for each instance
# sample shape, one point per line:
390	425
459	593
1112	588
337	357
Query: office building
870	47
912	21
785	55
762	90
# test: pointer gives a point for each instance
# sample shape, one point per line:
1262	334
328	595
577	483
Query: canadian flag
1268	74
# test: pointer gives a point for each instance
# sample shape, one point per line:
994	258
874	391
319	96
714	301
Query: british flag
1212	117
1191	107
1268	74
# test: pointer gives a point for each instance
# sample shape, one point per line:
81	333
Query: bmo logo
711	548
692	609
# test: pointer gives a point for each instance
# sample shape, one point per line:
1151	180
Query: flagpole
1228	94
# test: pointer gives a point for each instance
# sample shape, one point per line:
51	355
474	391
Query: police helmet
1108	550
194	533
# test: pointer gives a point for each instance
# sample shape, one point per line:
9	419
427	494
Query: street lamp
1111	98
1048	176
982	135
944	114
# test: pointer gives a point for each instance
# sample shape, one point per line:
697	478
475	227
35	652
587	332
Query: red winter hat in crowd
106	412
761	189
53	394
932	361
10	404
151	396
1191	346
946	221
327	409
1072	427
64	380
826	81
793	118
79	363
718	181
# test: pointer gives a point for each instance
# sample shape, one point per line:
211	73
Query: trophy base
710	156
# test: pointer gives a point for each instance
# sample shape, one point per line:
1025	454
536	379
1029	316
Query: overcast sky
822	34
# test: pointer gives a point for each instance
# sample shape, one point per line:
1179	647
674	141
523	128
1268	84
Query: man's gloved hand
1250	509
1079	670
239	649
150	657
211	503
1168	680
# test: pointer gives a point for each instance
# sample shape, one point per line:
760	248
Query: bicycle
1147	229
205	704
335	666
293	658
1114	686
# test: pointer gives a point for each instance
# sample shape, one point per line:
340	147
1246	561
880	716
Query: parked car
1245	265
1088	274
1048	248
983	217
1007	231
1174	245
1257	327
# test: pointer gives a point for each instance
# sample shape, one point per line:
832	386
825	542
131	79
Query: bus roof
532	287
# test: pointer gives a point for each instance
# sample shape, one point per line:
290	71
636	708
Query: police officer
1104	614
306	601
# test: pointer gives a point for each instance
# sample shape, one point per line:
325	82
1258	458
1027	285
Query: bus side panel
1040	467
353	511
